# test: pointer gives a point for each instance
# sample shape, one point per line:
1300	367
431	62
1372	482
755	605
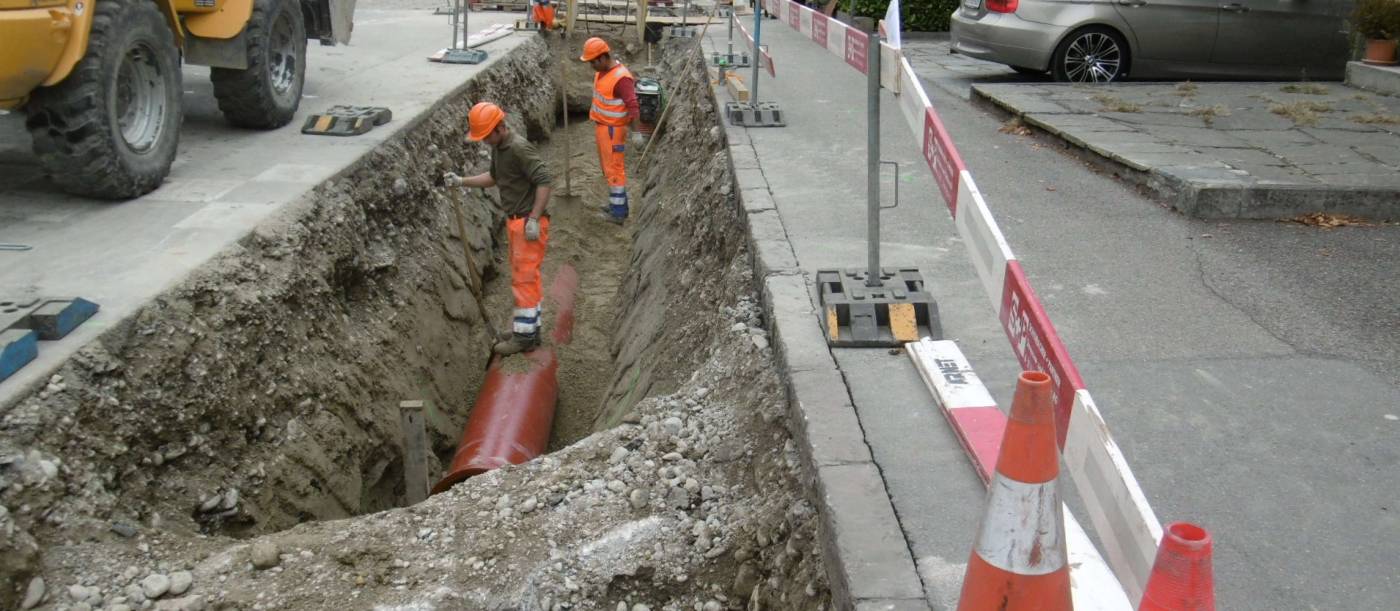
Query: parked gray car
1108	40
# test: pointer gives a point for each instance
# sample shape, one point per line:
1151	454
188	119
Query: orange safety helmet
483	118
594	47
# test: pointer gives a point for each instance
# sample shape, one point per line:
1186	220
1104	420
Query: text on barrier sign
938	152
819	28
795	18
1036	345
856	44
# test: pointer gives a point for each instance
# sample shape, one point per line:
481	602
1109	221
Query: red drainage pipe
514	411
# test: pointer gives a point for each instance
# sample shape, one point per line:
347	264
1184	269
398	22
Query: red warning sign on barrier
856	44
795	18
819	28
1037	346
943	160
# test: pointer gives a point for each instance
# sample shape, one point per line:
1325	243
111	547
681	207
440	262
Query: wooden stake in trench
656	131
415	451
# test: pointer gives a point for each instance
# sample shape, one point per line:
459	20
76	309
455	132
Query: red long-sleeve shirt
626	89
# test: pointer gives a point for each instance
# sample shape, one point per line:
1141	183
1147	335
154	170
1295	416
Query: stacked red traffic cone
1181	578
1018	562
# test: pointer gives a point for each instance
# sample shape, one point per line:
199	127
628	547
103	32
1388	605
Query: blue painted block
17	348
56	319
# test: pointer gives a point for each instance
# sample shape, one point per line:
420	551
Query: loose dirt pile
182	462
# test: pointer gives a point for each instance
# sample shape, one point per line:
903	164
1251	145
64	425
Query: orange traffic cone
1018	562
1182	578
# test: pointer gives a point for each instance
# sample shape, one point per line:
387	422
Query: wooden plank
629	20
415	451
738	91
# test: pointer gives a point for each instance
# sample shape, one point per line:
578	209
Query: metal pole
685	12
731	34
872	158
456	10
466	8
757	52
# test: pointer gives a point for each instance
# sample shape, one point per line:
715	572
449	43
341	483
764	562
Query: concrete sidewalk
224	181
1230	150
1247	394
899	498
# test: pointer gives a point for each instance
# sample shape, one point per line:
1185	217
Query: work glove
451	179
532	229
639	139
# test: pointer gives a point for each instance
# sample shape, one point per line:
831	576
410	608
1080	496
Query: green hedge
916	15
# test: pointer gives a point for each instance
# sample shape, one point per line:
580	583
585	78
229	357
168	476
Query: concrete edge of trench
869	566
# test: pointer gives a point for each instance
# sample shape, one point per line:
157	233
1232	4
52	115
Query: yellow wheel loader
99	81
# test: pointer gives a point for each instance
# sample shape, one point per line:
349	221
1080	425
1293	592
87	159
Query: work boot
517	343
607	211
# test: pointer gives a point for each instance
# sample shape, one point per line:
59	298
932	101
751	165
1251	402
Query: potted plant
1379	22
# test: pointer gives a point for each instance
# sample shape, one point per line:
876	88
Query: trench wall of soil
262	391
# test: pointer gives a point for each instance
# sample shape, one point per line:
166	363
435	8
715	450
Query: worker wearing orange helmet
614	110
524	182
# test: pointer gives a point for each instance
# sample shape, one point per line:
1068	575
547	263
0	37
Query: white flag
890	25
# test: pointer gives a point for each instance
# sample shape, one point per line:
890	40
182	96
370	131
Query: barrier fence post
730	56
757	51
752	113
872	159
864	312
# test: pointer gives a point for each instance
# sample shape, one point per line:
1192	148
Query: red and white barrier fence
1126	525
767	59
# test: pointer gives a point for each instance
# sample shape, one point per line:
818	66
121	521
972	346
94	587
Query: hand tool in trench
474	281
564	108
656	131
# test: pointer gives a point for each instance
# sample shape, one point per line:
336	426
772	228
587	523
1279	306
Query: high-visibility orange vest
609	110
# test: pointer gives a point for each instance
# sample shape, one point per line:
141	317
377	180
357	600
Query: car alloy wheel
1093	57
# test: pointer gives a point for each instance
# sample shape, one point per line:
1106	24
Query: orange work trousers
525	281
612	146
544	15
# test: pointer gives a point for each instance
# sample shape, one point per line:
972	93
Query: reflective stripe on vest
607	109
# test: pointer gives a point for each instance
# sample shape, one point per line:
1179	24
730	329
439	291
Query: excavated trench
253	406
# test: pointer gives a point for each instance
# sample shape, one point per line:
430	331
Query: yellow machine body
42	40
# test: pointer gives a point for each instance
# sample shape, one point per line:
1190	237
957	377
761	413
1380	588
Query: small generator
650	102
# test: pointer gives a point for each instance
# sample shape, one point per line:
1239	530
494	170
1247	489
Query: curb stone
1196	185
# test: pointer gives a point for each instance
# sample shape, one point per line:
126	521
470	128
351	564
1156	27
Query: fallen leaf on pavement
1015	127
1329	221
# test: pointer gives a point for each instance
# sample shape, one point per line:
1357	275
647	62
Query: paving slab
1285	128
224	180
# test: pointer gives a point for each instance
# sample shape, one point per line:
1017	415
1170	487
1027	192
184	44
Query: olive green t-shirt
518	171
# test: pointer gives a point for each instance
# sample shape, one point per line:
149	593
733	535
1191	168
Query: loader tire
267	94
110	129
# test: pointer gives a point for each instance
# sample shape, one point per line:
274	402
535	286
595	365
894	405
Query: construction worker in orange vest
543	14
524	182
614	110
